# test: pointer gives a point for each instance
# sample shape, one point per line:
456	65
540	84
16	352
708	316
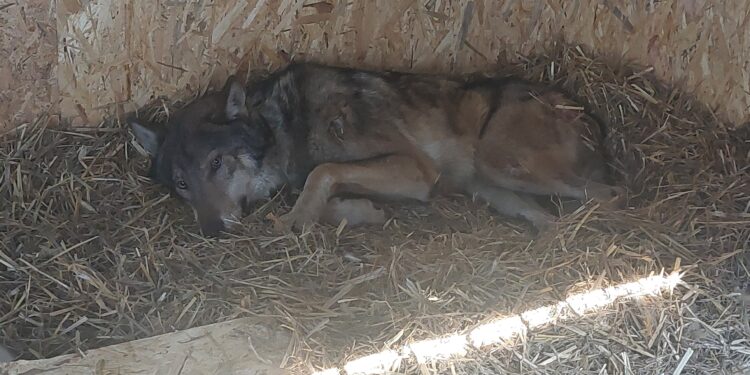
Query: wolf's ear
150	139
235	107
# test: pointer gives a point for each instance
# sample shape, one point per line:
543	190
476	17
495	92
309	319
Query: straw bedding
94	254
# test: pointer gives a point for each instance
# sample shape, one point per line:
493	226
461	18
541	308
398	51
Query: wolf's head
211	154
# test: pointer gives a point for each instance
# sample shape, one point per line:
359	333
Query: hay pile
94	254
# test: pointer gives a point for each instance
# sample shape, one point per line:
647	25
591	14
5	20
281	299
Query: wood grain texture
120	55
28	61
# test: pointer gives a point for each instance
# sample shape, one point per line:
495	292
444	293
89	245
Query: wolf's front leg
393	176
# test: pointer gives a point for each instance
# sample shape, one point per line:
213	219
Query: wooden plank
243	346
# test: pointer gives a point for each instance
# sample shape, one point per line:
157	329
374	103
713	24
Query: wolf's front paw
296	220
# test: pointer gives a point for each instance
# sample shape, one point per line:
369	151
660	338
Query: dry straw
94	254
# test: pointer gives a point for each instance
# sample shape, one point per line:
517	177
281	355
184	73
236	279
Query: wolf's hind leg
513	204
547	184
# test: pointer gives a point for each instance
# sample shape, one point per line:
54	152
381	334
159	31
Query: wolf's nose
212	228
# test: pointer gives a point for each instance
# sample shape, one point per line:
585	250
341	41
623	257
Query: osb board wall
119	55
28	61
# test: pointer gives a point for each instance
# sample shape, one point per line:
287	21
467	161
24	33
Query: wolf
349	138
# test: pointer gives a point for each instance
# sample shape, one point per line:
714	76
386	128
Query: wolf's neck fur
281	108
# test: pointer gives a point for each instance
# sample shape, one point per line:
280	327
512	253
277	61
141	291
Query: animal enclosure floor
94	254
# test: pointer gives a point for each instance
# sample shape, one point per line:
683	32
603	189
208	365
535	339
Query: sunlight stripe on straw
502	330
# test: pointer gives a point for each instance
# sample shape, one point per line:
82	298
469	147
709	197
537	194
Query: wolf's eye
216	163
181	184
